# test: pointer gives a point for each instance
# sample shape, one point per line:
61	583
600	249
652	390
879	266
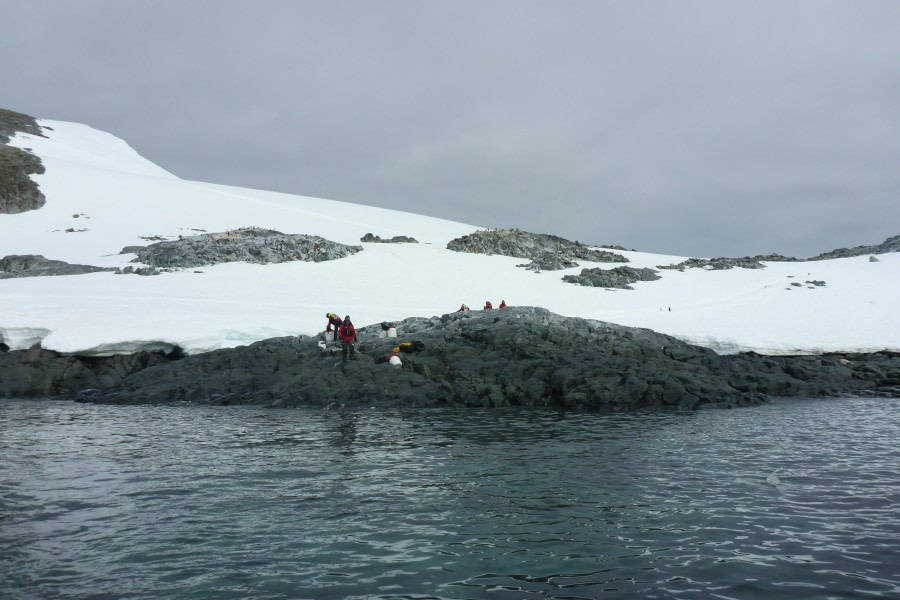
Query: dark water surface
795	500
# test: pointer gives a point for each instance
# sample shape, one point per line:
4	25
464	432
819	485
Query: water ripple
798	500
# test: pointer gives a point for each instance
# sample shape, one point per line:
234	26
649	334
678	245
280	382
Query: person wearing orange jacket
347	333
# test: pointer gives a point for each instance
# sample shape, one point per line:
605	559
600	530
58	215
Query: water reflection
344	436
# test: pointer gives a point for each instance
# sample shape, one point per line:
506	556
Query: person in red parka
335	322
503	304
347	333
488	305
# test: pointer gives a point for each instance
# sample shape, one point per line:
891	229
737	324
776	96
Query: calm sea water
796	500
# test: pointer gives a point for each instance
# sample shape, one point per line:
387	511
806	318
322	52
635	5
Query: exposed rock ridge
18	192
549	252
520	356
619	277
35	265
397	239
12	122
718	264
249	244
892	244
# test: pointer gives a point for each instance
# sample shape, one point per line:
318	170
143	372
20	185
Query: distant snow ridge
249	244
549	252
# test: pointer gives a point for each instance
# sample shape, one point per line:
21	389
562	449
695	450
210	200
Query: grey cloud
697	127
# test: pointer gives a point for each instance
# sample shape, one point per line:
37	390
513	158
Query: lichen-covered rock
250	244
619	277
892	244
18	192
716	264
35	265
548	252
370	238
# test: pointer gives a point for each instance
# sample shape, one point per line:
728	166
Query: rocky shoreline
515	357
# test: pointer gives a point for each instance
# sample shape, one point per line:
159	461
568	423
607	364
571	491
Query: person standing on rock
333	321
488	305
503	304
347	333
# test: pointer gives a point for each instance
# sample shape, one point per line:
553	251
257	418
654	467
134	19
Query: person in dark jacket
347	333
335	322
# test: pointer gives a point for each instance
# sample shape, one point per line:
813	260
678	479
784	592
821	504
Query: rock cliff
18	192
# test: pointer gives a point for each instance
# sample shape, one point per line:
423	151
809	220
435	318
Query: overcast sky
706	127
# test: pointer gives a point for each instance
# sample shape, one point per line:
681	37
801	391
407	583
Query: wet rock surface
18	192
513	357
250	244
43	373
548	252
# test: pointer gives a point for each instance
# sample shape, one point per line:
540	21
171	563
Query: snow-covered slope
111	197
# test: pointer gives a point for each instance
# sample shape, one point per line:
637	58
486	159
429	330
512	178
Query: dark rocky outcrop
18	192
12	122
37	373
139	271
620	277
892	244
548	252
250	244
718	264
397	239
549	261
35	265
513	357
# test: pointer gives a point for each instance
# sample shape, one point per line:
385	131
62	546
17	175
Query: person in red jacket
503	304
335	322
488	305
347	333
